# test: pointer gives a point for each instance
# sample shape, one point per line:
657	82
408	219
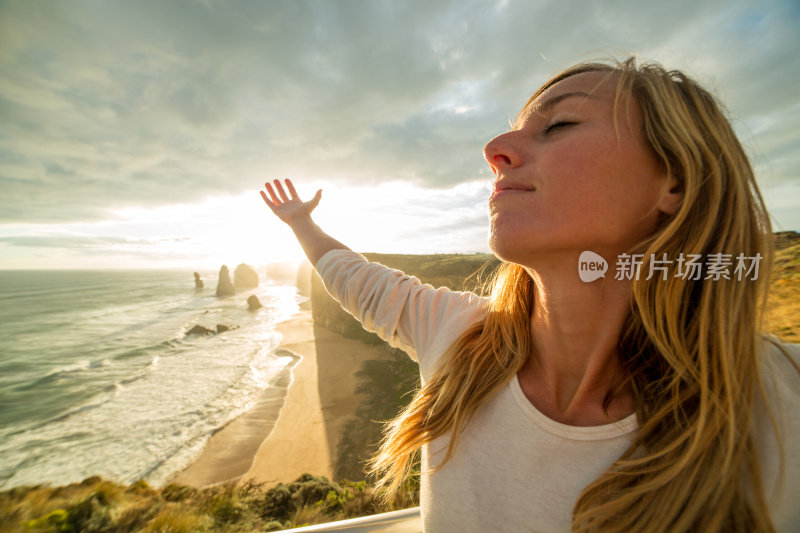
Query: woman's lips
510	191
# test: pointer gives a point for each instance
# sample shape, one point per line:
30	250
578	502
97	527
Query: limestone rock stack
244	277
224	285
253	303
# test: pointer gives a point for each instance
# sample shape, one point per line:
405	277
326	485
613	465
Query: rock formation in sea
200	330
224	285
253	303
244	277
198	283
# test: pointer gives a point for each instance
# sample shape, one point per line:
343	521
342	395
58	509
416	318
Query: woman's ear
671	196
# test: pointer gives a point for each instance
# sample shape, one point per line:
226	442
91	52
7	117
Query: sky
136	134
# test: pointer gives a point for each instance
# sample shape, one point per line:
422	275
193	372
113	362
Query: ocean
98	376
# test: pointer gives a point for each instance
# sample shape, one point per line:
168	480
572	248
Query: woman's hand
292	210
288	208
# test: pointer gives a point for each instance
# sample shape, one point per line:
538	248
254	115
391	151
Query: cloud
82	243
113	105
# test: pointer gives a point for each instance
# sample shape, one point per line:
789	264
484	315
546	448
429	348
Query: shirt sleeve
409	315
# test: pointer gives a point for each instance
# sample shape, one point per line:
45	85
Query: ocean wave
78	369
162	348
55	374
77	366
136	387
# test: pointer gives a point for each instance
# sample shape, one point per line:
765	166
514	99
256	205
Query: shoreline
229	451
295	425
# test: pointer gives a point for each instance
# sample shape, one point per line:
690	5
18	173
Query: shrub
334	501
275	525
223	504
177	493
307	515
135	517
173	519
57	520
362	502
283	500
91	514
140	488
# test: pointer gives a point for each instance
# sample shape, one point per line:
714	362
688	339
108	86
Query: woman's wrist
301	223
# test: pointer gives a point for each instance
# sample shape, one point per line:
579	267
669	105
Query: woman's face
568	181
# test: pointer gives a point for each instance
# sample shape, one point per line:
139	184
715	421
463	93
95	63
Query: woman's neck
575	365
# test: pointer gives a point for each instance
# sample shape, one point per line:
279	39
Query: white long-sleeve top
515	469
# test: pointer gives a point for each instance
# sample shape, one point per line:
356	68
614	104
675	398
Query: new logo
591	266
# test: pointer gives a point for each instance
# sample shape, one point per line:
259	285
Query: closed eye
556	125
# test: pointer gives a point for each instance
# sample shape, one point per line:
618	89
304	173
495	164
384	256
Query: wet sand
295	431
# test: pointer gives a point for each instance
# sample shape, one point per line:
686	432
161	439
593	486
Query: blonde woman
644	400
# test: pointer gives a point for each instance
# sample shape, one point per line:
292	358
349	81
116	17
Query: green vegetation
384	387
783	304
787	263
99	506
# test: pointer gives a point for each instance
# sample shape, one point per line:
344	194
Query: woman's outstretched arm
297	214
408	314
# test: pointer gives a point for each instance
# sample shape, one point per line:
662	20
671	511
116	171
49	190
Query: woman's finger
292	191
315	201
272	194
267	200
281	192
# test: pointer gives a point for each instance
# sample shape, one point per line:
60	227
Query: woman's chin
541	251
508	250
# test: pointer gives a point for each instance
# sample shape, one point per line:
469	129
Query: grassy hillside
99	506
783	305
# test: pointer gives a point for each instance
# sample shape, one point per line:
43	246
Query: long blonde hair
689	347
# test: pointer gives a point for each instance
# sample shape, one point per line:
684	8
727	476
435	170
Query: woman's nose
500	153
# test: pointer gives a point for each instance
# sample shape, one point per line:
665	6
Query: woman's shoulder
777	431
781	364
775	350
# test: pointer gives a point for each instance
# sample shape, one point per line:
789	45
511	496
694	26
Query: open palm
291	207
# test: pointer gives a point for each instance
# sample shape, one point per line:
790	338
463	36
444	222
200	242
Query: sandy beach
295	431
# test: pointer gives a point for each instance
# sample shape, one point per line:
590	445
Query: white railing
403	521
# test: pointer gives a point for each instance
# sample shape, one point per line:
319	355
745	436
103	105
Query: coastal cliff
383	383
